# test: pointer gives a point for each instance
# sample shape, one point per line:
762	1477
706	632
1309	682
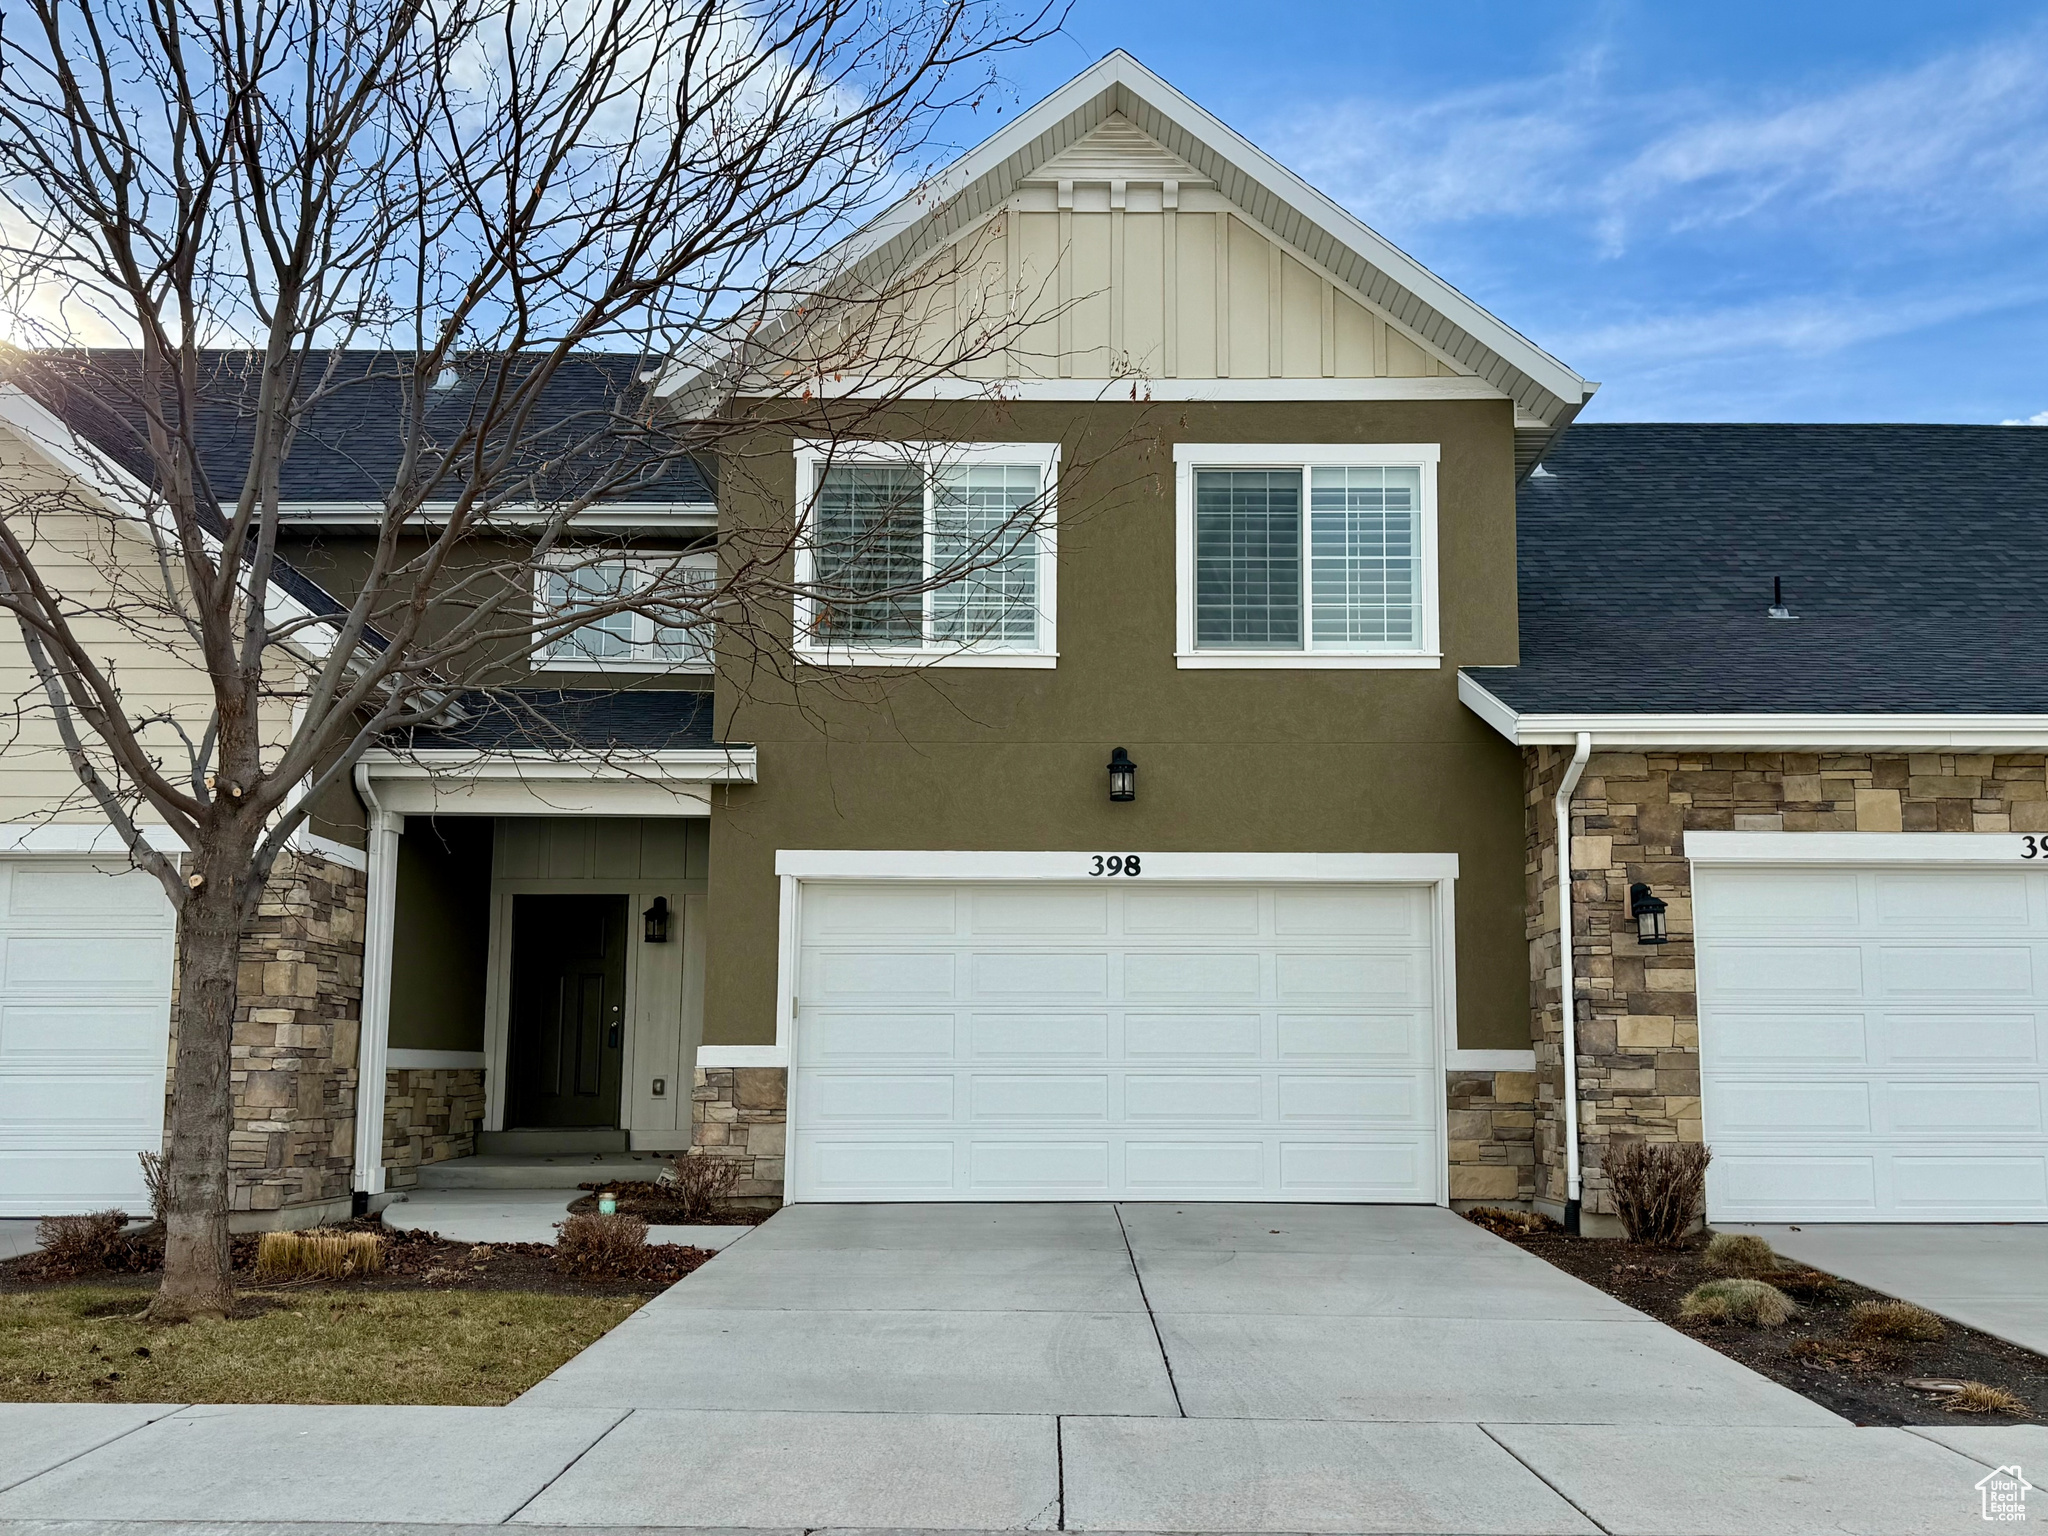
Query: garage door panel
1219	1036
1966	901
33	1034
55	895
889	913
1391	1038
1225	977
1179	911
868	1096
1161	1041
1962	1107
52	1109
1037	1097
1744	901
53	1181
1986	1039
1922	1094
1199	1096
1022	974
49	963
1784	1039
1030	910
1368	912
1951	970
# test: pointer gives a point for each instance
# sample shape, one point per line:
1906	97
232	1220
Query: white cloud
2038	419
1962	136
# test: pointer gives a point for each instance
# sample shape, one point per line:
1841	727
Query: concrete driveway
1126	1368
1987	1277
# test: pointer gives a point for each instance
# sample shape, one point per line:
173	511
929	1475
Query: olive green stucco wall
1267	761
440	946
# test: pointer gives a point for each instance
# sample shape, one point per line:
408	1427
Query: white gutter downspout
1567	996
380	921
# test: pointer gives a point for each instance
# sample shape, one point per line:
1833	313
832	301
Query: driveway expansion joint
1151	1316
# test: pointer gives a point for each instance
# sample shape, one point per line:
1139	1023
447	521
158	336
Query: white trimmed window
884	524
625	640
1306	554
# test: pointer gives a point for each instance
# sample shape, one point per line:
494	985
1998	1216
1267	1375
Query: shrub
72	1243
1979	1397
1742	1252
156	1178
330	1255
700	1184
1894	1320
1660	1188
1754	1302
1807	1284
1506	1223
601	1245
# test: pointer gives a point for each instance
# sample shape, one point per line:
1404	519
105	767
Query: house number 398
1115	864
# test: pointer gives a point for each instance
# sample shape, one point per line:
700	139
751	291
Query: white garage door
1188	1042
85	1004
1874	1042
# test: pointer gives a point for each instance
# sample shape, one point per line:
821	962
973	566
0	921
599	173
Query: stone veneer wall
430	1115
296	1026
1638	1012
1492	1137
739	1112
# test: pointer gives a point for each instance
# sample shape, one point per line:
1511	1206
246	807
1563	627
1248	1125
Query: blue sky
1796	211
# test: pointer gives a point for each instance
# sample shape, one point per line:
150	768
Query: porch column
371	1052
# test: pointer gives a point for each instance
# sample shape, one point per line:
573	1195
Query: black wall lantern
656	920
1123	776
1648	912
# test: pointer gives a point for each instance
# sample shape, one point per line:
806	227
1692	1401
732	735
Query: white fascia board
1921	732
694	765
610	517
1120	70
1865	848
1264	868
742	1055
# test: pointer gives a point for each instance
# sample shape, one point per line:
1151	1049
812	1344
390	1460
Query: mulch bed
657	1205
413	1261
1813	1354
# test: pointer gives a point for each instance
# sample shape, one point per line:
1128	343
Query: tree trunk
197	1280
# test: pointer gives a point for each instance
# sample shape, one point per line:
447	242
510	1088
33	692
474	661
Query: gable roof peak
1116	149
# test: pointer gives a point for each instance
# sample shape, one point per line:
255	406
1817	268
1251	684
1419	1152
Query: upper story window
625	638
927	553
1306	555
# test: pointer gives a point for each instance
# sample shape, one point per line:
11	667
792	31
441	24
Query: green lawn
312	1346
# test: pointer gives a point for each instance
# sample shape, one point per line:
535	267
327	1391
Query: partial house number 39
2030	848
1115	864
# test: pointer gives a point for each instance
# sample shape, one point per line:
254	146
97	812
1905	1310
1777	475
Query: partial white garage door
1187	1042
1874	1042
85	999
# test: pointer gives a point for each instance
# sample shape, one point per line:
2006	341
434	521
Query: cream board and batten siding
1010	1027
1116	260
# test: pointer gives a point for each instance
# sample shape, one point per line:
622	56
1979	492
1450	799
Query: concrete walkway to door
1073	1367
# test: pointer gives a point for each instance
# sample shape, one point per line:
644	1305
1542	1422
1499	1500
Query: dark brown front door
568	1011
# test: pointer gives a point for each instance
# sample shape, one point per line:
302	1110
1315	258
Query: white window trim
1189	457
812	455
703	559
1867	848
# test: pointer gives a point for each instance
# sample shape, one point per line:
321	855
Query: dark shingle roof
350	444
573	719
1914	556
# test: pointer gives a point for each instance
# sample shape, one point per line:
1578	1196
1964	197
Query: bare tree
458	203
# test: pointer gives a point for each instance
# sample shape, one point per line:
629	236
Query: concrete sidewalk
80	1467
1985	1276
521	1216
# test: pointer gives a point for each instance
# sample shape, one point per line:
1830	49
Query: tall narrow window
1248	558
870	555
1362	554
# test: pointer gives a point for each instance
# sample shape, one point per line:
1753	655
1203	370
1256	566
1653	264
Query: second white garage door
1874	1042
1186	1042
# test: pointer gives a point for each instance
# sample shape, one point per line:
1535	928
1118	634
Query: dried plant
1742	1253
1899	1320
329	1255
82	1242
156	1178
1981	1397
601	1245
1660	1188
701	1184
1753	1302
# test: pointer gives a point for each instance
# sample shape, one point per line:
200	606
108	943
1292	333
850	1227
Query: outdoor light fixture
1648	912
1123	776
656	919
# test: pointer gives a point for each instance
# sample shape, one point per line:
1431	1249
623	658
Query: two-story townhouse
1207	845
